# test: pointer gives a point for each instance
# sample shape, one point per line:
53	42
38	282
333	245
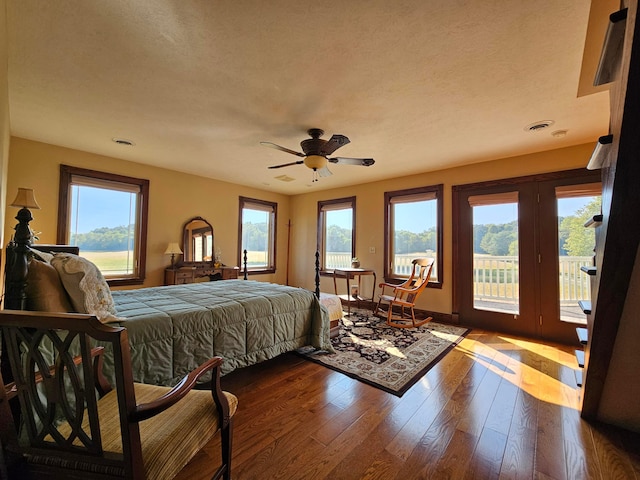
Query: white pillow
87	288
44	256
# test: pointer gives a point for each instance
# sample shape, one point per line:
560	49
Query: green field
255	258
111	262
117	262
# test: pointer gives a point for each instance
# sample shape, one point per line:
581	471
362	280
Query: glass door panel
575	249
520	244
496	284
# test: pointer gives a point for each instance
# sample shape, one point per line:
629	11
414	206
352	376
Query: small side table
351	274
179	275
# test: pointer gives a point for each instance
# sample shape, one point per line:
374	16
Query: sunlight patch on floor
550	353
528	378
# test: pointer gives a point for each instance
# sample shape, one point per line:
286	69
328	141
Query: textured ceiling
197	84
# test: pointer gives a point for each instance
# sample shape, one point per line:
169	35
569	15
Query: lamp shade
25	199
173	249
315	161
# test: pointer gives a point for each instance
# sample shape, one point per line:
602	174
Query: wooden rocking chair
75	425
404	295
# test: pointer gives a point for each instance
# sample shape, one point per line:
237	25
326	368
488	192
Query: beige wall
173	198
370	215
4	113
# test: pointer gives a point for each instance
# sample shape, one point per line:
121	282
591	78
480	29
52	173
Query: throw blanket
173	329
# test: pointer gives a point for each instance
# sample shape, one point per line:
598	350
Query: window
257	235
413	228
336	232
105	215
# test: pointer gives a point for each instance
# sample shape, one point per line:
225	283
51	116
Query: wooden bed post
16	268
317	275
16	265
244	264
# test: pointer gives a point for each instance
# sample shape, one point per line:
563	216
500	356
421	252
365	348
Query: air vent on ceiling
541	125
284	178
123	141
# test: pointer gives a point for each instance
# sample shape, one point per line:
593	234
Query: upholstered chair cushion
170	439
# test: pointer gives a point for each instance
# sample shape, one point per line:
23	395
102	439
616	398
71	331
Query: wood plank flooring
497	406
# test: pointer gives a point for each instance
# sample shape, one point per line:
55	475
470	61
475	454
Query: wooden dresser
188	274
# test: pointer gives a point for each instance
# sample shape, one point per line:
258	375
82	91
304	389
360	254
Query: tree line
574	239
105	239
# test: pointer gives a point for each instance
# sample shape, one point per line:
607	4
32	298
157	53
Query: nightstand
179	275
229	273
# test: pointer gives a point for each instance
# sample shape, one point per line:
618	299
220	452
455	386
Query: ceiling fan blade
334	143
283	149
324	172
287	164
365	162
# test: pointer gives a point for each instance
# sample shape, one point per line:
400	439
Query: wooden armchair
75	425
404	295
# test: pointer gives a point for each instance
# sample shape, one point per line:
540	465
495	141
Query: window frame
321	228
244	202
67	173
389	197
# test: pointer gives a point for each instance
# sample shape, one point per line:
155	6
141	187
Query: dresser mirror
197	245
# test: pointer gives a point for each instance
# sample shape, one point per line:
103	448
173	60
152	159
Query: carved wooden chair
75	425
404	295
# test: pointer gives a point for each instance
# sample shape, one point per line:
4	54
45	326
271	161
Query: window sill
121	282
257	272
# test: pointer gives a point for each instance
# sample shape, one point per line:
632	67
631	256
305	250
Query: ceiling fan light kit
316	151
315	162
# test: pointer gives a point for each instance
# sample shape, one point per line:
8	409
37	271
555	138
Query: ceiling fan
316	151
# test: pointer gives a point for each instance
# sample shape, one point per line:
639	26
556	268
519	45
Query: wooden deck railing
496	278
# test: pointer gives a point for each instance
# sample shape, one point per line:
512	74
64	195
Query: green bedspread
174	329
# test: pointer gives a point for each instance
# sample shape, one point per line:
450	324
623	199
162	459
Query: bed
243	321
173	329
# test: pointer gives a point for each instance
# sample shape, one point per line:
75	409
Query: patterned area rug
392	359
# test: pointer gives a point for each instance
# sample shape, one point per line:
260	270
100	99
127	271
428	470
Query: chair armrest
392	286
150	409
406	290
101	383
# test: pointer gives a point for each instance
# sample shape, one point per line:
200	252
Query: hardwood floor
495	407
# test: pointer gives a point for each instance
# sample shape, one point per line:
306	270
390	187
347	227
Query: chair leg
226	436
421	322
389	314
377	310
227	448
415	323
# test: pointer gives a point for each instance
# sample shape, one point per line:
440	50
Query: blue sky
101	208
406	220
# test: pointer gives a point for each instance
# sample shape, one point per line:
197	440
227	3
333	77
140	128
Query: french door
519	245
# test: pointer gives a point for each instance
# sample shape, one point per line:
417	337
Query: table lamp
25	199
173	249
